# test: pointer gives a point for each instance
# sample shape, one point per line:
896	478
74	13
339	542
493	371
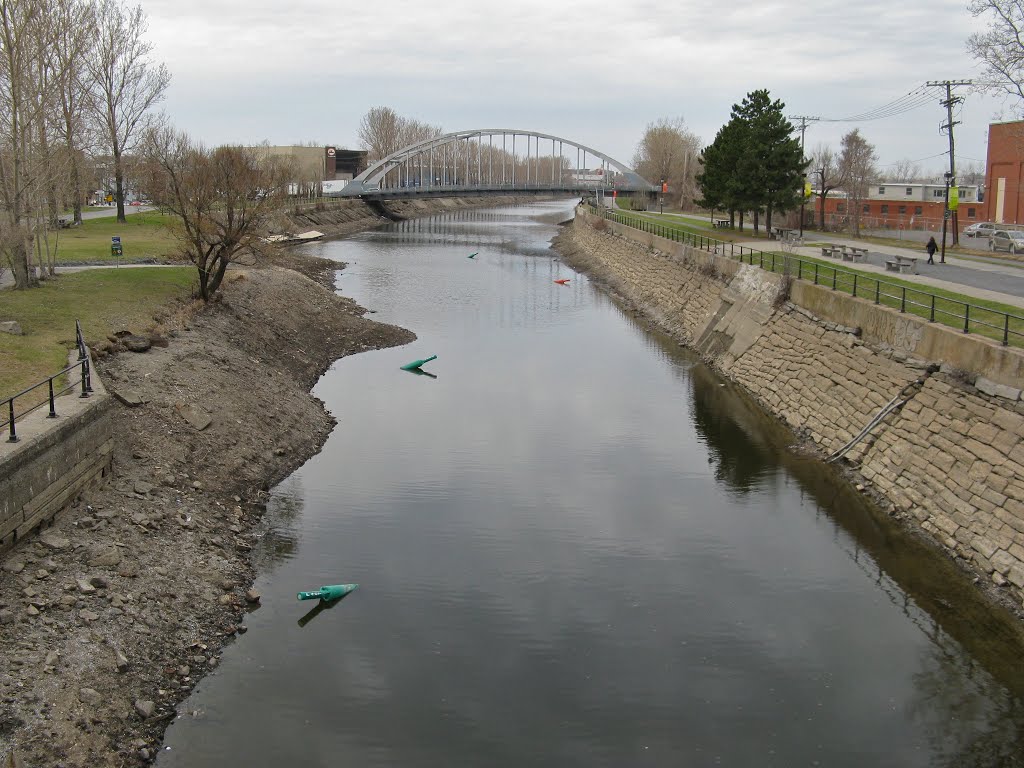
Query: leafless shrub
785	287
600	225
709	270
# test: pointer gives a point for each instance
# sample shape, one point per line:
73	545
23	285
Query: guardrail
1005	327
85	377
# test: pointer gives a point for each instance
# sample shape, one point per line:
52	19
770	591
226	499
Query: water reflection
577	548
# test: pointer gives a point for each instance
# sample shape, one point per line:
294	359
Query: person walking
932	247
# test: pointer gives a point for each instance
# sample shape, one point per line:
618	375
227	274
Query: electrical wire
919	160
907	102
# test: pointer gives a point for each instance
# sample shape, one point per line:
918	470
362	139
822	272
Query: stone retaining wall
950	460
53	461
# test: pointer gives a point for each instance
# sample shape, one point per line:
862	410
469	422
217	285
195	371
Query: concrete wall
53	461
950	461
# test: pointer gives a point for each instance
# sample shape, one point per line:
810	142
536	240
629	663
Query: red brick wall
929	219
1005	160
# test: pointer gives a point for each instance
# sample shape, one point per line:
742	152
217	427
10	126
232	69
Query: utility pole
804	120
949	102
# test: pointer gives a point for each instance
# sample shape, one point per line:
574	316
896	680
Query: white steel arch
459	162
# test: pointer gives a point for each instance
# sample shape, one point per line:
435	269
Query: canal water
577	547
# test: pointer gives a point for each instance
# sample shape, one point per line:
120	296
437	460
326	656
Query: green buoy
330	592
417	363
472	255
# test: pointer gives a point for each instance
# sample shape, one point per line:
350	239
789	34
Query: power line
919	160
907	102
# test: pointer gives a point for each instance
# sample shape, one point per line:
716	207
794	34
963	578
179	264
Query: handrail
972	318
86	385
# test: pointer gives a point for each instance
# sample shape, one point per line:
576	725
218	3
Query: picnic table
854	253
902	264
721	223
782	233
831	251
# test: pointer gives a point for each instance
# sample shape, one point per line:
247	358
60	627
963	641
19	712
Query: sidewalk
983	280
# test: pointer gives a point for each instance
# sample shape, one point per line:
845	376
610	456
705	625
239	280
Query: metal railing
1005	327
85	381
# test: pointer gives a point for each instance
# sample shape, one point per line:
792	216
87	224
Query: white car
980	229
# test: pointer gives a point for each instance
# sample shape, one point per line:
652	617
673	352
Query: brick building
1004	171
902	206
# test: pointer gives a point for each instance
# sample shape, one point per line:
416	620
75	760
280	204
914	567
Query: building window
903	209
918	210
885	210
938	193
840	207
910	190
970	213
881	190
867	208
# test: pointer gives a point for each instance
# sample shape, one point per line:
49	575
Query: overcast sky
596	72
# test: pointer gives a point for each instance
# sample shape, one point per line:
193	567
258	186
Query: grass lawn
144	236
104	300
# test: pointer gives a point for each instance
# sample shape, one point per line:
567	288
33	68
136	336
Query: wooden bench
905	264
721	223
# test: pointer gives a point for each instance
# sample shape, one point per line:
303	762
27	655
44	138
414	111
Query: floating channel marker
472	255
330	592
563	281
417	363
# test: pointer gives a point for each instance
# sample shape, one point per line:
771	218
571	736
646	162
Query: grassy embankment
987	319
104	300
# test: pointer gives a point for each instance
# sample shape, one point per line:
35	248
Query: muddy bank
343	216
110	617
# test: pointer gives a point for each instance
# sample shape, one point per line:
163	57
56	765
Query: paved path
984	278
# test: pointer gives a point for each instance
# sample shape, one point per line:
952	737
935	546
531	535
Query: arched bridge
493	161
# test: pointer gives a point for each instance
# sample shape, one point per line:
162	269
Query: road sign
115	239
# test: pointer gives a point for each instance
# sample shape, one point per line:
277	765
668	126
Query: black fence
82	379
1007	328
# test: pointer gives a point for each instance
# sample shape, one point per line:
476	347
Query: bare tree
1000	50
668	153
224	198
857	164
74	22
905	171
130	84
414	131
380	132
23	27
825	167
971	173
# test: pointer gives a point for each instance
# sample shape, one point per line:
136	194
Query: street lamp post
803	203
945	216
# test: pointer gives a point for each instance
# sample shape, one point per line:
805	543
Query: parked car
1009	240
135	202
980	229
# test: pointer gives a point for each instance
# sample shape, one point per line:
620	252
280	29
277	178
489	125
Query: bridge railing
969	317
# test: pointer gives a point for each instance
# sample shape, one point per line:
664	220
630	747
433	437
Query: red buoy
562	282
